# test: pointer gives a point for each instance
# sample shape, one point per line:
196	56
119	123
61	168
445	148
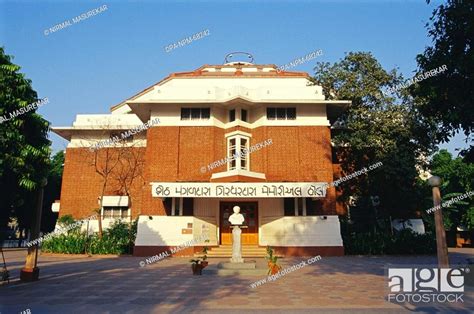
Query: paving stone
83	285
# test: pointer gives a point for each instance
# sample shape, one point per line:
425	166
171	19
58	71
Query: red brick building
234	134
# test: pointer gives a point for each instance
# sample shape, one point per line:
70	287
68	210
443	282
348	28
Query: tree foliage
458	179
447	99
377	127
52	191
24	146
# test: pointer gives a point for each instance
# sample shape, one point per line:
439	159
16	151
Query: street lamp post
31	272
441	247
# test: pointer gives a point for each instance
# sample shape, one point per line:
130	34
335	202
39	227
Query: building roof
231	70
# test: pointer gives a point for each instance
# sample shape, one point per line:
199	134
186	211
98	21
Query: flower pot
274	268
197	269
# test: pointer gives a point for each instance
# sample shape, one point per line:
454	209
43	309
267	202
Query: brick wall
296	154
81	185
175	154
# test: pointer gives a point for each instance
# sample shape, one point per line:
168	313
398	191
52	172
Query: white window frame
200	114
103	217
276	113
238	160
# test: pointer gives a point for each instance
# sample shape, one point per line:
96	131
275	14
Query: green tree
447	98
458	179
377	127
24	146
52	191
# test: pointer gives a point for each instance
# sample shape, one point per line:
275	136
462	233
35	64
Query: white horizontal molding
238	172
115	201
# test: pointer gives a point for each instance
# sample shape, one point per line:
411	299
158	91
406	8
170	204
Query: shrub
379	243
71	243
117	239
66	220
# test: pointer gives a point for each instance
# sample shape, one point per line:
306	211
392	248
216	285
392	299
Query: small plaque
186	231
190	225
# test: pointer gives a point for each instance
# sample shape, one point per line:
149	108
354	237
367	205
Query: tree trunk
100	209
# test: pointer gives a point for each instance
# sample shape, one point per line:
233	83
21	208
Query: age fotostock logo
426	285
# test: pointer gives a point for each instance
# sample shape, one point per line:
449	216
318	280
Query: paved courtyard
79	284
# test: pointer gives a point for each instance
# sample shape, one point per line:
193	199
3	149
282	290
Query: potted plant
4	274
197	265
273	266
204	257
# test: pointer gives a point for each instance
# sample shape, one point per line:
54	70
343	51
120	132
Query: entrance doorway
250	212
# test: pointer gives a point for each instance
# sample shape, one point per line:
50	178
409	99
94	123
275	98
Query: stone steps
226	251
233	269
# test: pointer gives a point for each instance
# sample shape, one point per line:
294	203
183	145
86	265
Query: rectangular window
205	113
231	115
235	152
188	207
243	115
303	206
178	206
115	212
281	113
116	137
271	113
185	113
231	154
290	113
195	113
314	208
299	202
167	204
289	206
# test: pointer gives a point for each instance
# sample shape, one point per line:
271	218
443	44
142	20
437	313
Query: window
231	115
179	206
115	212
314	208
302	206
243	115
237	152
291	113
195	113
117	137
281	113
188	207
243	157
289	206
232	151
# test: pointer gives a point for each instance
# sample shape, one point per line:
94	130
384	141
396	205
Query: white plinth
236	245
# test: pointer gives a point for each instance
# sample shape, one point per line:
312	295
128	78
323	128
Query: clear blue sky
98	62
